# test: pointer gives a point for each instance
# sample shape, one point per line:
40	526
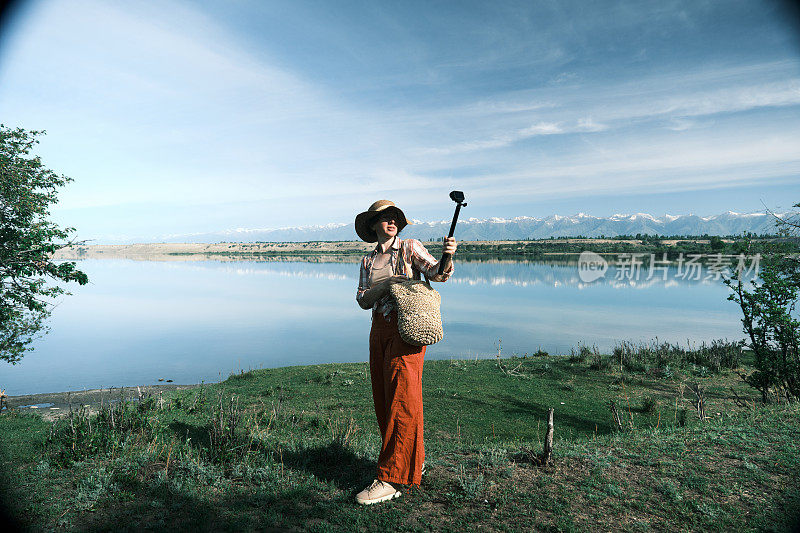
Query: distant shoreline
354	249
54	404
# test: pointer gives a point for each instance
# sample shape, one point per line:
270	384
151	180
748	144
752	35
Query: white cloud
616	105
745	97
155	102
587	124
542	128
681	124
501	140
160	105
668	165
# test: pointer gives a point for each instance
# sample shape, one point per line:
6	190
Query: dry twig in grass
617	420
547	453
700	403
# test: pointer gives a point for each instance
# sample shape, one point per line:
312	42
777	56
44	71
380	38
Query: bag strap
399	258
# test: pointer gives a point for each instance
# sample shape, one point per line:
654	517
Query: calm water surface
195	321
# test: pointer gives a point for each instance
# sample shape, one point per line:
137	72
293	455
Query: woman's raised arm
427	264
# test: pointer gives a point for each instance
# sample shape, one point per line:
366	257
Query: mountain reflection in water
189	321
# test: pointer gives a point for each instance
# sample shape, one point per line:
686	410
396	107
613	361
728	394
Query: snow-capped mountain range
474	229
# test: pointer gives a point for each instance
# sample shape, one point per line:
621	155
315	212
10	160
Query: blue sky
182	117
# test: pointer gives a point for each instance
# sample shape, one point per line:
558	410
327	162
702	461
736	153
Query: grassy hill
287	449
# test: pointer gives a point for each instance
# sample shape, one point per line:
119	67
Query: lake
192	321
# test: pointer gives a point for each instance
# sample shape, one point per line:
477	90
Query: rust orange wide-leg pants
396	370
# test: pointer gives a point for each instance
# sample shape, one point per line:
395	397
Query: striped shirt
408	258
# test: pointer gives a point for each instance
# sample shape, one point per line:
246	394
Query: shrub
645	356
80	434
771	324
649	404
601	362
582	353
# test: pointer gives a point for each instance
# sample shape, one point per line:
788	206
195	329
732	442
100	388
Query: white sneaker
379	491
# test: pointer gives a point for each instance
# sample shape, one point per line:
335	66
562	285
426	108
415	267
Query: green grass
288	448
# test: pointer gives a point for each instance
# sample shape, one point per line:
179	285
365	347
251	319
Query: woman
395	366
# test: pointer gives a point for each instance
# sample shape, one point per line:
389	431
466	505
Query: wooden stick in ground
547	453
615	414
700	404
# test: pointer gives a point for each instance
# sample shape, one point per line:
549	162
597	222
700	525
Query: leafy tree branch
29	278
